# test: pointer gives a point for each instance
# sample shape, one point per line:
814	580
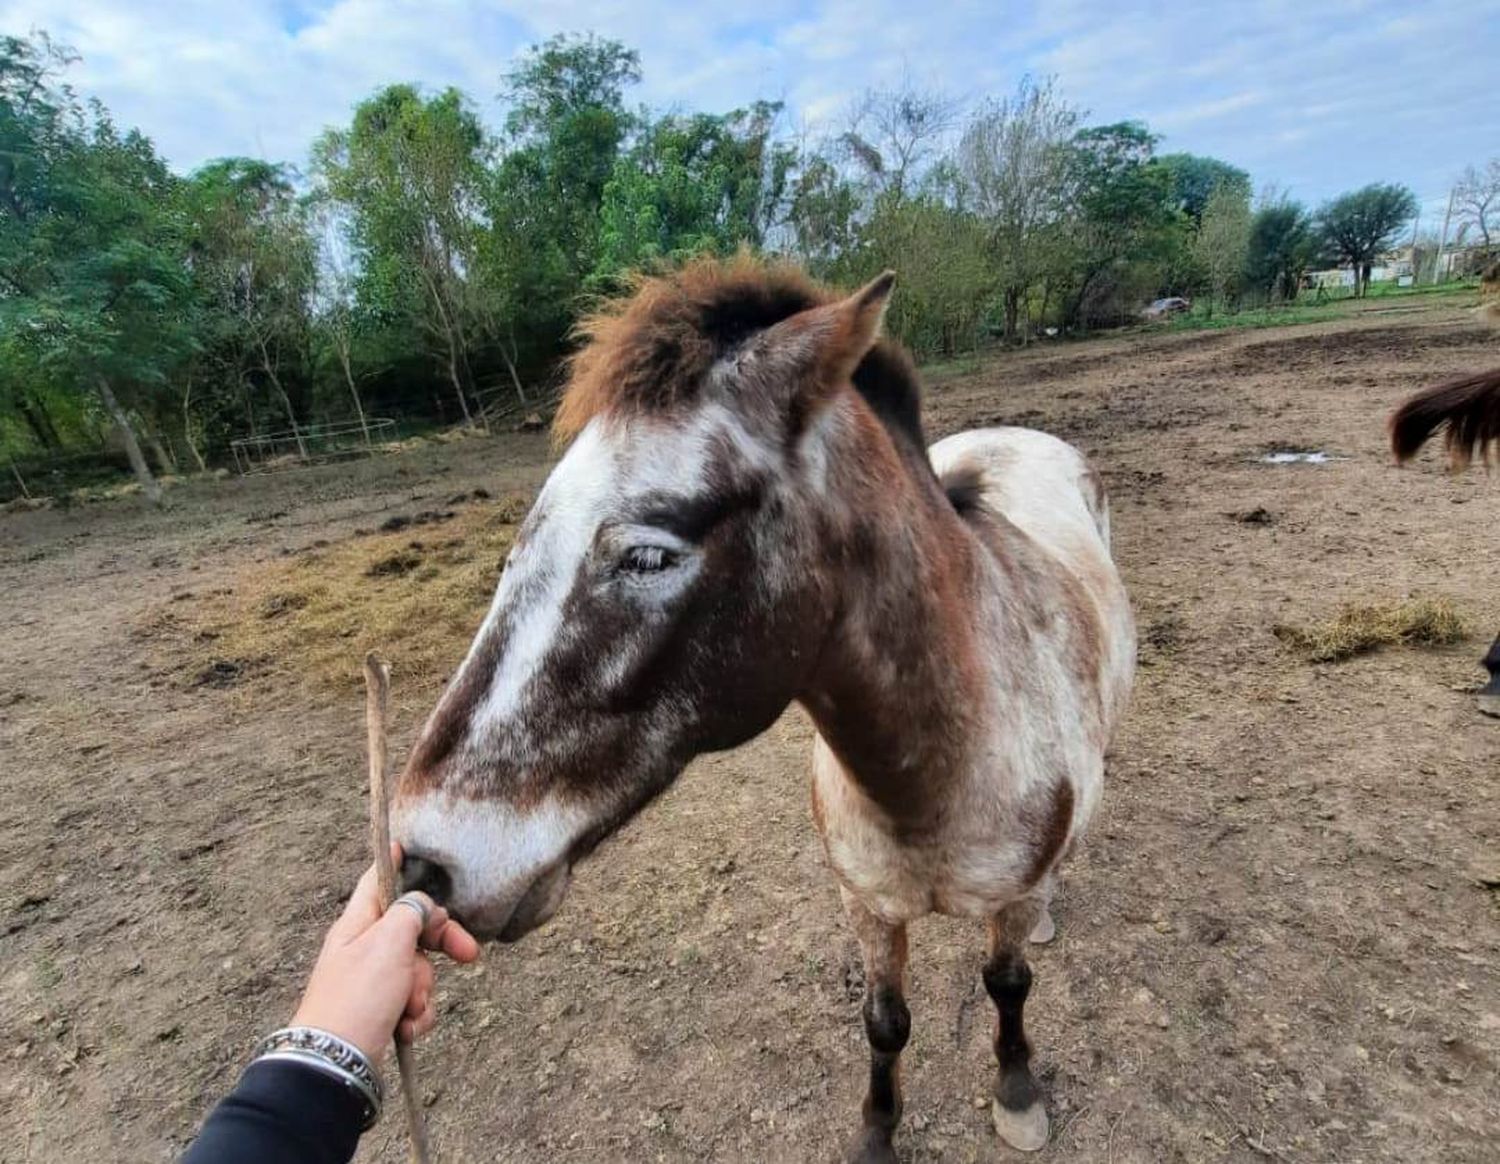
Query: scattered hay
1360	628
314	615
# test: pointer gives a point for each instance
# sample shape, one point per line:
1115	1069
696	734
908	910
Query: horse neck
899	684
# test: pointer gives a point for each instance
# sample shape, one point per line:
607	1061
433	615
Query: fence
310	443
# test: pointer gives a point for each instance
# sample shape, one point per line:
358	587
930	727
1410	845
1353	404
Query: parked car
1161	308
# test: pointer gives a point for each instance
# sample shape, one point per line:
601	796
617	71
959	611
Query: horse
746	516
1467	408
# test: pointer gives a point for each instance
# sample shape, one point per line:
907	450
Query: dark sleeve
283	1112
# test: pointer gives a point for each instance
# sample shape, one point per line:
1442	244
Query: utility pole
1437	259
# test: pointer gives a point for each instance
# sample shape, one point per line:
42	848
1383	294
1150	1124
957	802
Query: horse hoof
873	1147
1024	1130
1044	930
1489	705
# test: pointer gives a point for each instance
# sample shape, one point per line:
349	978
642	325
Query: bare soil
1282	939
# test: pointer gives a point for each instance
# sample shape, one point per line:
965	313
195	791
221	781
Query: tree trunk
510	366
187	429
149	484
291	415
20	480
34	412
164	462
340	343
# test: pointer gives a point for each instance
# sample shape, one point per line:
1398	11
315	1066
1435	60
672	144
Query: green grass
1310	309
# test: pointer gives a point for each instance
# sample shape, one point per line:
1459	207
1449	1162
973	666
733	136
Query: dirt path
1276	943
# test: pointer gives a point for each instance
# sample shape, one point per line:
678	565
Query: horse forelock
653	351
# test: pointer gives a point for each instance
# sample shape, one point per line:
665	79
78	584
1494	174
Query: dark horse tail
1470	408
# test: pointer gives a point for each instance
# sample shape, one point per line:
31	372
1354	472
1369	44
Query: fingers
456	942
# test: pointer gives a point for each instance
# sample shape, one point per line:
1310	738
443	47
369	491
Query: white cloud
1315	98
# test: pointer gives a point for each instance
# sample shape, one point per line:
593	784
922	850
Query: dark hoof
873	1147
1489	704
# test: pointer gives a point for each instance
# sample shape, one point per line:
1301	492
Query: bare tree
1477	199
1013	174
894	133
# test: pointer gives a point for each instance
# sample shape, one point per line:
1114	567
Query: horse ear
822	346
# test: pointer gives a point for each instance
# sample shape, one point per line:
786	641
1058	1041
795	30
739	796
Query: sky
1314	97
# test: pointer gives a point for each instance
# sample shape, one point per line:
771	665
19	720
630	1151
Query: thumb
402	924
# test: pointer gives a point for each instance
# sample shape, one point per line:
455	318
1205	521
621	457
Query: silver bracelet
334	1057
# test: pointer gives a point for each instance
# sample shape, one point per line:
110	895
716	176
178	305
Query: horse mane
652	350
1468	405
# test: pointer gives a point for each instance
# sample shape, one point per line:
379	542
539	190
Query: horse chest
970	866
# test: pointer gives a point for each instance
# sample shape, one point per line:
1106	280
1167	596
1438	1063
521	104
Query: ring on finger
414	901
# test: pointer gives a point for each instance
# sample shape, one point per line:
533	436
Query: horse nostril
428	876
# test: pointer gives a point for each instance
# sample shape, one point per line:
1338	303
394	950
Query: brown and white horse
747	516
1467	410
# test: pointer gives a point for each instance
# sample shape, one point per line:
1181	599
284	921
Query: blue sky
1313	96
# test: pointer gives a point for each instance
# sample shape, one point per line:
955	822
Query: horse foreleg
887	1025
1020	1116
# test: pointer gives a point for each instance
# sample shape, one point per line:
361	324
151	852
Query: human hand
372	973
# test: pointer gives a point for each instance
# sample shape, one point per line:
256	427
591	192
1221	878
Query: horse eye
645	560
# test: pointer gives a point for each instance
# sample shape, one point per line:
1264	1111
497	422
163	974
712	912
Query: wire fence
309	444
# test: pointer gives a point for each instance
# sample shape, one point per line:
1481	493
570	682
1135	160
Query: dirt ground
1278	941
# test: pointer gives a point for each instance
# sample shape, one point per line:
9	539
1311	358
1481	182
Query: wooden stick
377	695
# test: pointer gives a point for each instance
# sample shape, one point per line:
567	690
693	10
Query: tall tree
255	261
895	135
411	171
1360	226
1282	244
1222	241
1013	164
92	246
692	184
1477	200
1195	178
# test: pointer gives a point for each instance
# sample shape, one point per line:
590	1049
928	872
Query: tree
255	261
1013	166
1358	227
411	173
894	135
692	184
1222	240
1282	244
565	129
1476	198
1195	178
92	247
1124	231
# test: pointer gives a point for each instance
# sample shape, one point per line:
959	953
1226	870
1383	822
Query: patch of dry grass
416	594
1359	628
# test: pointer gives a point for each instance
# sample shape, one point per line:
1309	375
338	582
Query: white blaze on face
491	850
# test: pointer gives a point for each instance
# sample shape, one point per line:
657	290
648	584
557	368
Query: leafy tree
1013	164
1125	231
411	173
1358	227
1195	178
92	248
1283	243
1477	199
821	212
1222	241
254	260
692	184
